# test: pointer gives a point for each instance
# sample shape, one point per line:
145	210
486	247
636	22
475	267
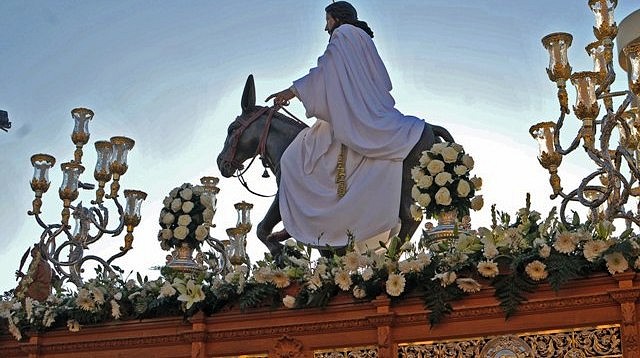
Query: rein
261	150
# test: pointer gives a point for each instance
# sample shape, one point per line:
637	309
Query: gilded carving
287	347
584	342
352	352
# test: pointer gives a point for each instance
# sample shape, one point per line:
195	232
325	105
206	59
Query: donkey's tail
442	133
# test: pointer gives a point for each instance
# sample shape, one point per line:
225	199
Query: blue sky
170	75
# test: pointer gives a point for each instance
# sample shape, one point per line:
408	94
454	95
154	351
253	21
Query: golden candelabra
606	190
91	223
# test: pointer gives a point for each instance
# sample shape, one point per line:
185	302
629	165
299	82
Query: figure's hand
281	98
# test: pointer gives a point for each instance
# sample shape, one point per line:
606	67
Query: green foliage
563	268
510	291
257	294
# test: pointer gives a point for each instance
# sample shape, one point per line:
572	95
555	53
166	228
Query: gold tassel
340	174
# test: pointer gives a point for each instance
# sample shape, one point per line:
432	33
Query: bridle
261	150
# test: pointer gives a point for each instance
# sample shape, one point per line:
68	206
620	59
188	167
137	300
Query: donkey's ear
248	95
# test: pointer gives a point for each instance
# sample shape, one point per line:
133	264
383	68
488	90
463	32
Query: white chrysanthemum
544	251
468	285
184	220
351	261
477	202
446	278
616	263
280	279
424	200
289	301
186	194
166	234
98	295
536	270
460	170
443	197
367	274
359	292
315	282
343	280
565	242
85	303
450	155
187	206
115	309
468	162
477	182
593	249
262	274
425	181
202	231
176	205
435	166
395	284
168	219
443	178
488	268
463	188
424	259
416	212
490	250
181	232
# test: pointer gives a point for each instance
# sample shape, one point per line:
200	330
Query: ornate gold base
181	259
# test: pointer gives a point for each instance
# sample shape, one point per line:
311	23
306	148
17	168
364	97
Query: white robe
348	93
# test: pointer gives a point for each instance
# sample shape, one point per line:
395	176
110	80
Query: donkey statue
247	138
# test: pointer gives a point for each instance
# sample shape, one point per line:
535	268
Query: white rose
416	173
425	182
477	202
463	188
186	194
289	301
166	234
168	219
174	192
457	147
181	232
438	147
167	202
460	170
184	220
416	212
435	166
187	206
198	189
207	215
202	231
477	182
424	200
425	159
449	155
415	192
467	161
176	205
443	178
443	197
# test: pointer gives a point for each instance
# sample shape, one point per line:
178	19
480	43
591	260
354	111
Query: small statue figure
36	283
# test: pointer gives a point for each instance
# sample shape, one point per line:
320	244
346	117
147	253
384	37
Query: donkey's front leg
265	228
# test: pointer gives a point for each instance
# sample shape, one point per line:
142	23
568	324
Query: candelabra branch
556	138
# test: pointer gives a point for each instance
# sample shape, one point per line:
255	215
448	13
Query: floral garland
442	182
512	257
185	217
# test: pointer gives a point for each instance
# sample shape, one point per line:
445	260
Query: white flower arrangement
186	217
443	184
